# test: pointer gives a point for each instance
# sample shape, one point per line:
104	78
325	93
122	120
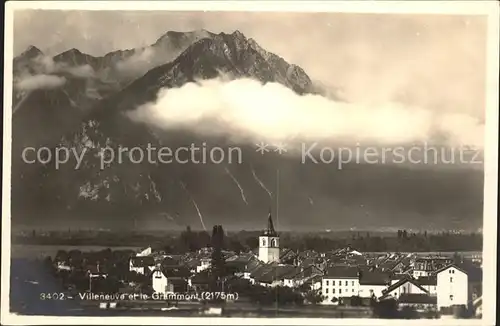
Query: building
452	287
420	302
269	246
338	282
372	283
170	279
404	286
429	283
142	264
144	252
426	266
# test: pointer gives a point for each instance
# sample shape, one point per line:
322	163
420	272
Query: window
326	291
352	283
353	290
451	279
451	297
340	290
333	291
404	290
326	282
346	283
333	282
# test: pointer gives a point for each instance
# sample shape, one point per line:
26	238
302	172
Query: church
269	244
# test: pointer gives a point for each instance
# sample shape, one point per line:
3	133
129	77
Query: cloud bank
245	109
42	72
42	81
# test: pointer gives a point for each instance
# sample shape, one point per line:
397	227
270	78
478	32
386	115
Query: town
344	280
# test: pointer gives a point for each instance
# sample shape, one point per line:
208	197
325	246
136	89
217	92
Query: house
395	278
401	265
300	275
95	271
170	279
452	287
205	263
429	283
275	275
200	282
63	266
144	252
404	286
419	301
315	282
142	264
425	266
288	256
340	281
243	265
372	283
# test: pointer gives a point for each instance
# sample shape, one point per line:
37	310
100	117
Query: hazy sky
432	61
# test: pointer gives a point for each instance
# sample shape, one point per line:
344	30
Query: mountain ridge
127	192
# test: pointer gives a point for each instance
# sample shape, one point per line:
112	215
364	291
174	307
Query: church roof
270	231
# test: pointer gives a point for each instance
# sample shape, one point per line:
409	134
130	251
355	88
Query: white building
339	282
427	266
161	282
170	279
142	264
269	246
205	263
372	284
144	252
404	286
452	287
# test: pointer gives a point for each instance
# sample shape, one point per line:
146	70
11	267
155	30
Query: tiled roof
201	278
374	278
175	271
275	273
417	298
342	272
193	263
427	280
171	260
144	261
401	282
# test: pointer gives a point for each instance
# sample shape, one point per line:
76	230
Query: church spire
270	227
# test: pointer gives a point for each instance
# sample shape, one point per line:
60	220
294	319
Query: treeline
402	241
191	240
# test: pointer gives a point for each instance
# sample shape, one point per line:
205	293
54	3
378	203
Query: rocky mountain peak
173	39
31	52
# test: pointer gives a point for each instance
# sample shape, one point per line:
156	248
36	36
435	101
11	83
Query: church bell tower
269	243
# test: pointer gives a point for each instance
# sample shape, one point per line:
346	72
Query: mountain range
83	102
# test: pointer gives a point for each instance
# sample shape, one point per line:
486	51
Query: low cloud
136	64
41	81
42	71
245	109
85	71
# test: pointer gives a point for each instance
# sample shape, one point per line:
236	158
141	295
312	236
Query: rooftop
342	272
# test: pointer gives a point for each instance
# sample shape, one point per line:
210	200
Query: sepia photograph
250	162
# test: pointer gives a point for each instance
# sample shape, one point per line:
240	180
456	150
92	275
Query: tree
385	309
218	270
314	296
